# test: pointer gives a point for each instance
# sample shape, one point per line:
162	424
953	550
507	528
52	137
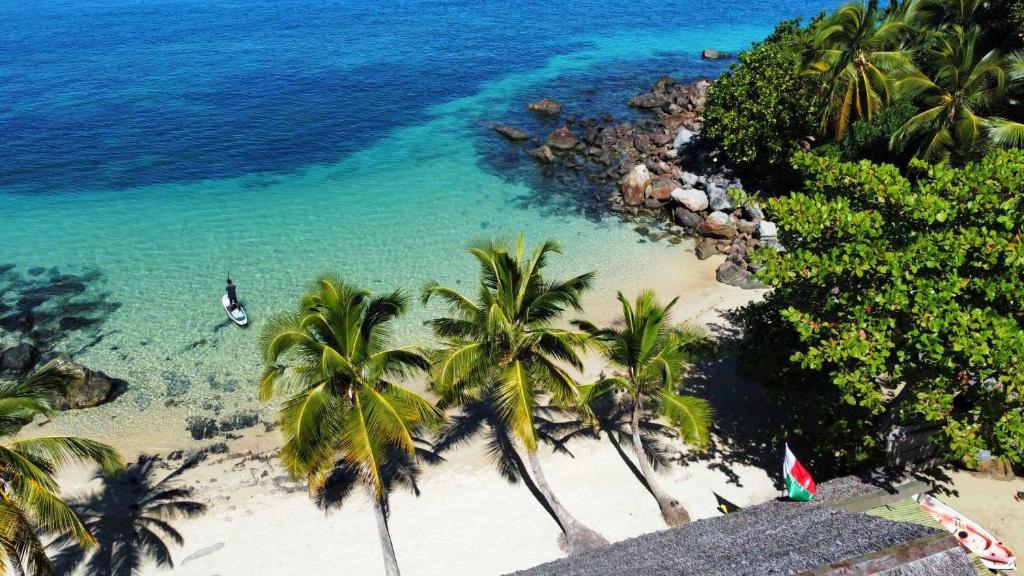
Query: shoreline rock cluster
642	166
84	388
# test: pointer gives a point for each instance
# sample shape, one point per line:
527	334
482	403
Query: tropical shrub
897	302
761	110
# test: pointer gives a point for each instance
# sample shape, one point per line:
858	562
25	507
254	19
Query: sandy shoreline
468	520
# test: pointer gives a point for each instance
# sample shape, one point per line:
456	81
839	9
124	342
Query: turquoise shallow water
393	209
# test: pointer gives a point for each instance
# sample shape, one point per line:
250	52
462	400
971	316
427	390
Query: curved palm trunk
672	510
578	538
390	560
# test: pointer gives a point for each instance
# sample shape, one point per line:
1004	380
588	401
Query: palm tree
29	494
856	54
965	86
653	357
130	518
333	363
502	348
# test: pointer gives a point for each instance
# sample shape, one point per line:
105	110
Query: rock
735	275
683	137
694	200
689	179
653	203
664	84
202	427
687	218
542	154
754	212
719	199
706	248
511	133
717	225
635	184
646	101
19	358
239	421
712	54
85	388
662	188
746	226
562	139
546	106
766	229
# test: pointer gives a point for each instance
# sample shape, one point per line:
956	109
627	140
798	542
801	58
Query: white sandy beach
467	520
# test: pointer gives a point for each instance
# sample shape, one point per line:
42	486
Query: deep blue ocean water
148	147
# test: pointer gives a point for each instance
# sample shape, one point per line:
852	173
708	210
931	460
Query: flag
799	484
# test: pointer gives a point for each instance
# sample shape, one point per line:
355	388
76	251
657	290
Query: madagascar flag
799	484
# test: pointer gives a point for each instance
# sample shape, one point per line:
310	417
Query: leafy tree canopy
763	108
899	302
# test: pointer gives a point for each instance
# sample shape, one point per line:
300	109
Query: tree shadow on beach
481	418
130	516
399	470
747	420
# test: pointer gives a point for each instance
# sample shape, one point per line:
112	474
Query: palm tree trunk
671	509
578	538
15	565
390	560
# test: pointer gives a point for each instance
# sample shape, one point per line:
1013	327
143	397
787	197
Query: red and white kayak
993	553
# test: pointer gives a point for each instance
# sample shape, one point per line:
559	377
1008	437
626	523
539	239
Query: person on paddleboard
232	296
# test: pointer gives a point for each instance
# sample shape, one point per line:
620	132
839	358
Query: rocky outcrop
85	388
514	134
546	106
19	358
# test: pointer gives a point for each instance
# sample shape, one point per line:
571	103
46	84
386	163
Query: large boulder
737	275
647	101
719	198
635	184
85	388
712	54
19	358
661	188
767	229
706	248
694	200
548	106
542	154
683	137
562	139
717	225
511	133
687	218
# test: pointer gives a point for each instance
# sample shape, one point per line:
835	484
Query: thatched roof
778	537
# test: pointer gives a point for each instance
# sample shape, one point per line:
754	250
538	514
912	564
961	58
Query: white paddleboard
237	315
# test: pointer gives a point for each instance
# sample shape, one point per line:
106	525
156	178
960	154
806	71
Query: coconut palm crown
652	357
957	99
501	346
332	362
856	55
29	495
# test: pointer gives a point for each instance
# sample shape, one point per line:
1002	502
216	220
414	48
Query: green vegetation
503	348
333	363
652	357
30	501
860	69
763	108
898	302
